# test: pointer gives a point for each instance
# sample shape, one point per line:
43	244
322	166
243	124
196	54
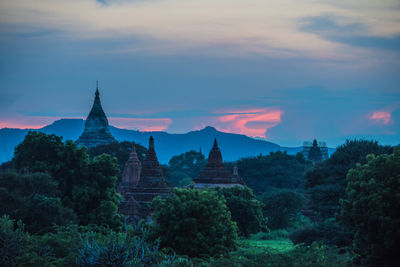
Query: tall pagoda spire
152	175
215	156
96	130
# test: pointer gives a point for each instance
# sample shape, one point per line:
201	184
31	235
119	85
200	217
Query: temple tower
141	184
132	170
97	131
152	175
215	174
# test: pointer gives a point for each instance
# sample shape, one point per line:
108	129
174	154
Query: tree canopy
194	222
282	208
87	186
246	210
276	170
326	182
372	209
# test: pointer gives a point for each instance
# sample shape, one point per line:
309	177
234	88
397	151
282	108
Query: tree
276	170
96	200
372	209
34	199
282	208
13	241
185	165
87	186
245	209
326	182
194	222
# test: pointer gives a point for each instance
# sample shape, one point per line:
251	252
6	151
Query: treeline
59	207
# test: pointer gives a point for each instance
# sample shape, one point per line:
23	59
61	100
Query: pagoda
132	171
138	193
97	131
215	174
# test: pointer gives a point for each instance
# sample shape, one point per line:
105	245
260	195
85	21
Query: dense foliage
328	232
276	170
59	203
194	222
33	198
282	208
372	209
86	186
326	182
74	246
245	209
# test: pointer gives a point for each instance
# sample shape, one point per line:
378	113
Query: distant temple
140	184
215	174
97	131
315	151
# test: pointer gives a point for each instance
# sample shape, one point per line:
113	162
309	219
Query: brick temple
215	174
140	184
97	131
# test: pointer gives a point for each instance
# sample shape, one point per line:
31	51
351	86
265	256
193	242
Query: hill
233	146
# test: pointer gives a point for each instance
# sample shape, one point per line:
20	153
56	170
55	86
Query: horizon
300	144
284	72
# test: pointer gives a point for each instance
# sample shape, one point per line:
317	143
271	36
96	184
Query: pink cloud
250	122
142	124
381	117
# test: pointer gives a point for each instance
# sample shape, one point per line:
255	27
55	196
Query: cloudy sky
284	70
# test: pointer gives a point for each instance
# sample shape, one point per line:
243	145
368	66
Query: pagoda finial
151	143
133	147
97	89
215	143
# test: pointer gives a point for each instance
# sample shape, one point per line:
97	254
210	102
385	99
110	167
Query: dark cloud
355	34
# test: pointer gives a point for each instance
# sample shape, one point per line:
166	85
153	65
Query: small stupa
215	174
97	131
131	172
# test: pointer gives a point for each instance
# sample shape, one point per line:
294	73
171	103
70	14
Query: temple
132	171
97	131
215	174
140	184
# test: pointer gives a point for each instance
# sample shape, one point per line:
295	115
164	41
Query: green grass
270	242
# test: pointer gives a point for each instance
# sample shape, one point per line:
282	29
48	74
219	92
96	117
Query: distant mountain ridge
233	146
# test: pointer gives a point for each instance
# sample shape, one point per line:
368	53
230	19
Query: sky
286	71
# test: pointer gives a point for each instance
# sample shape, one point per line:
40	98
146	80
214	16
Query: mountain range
233	146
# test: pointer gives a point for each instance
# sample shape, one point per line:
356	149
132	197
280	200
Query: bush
194	222
122	249
282	208
327	232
